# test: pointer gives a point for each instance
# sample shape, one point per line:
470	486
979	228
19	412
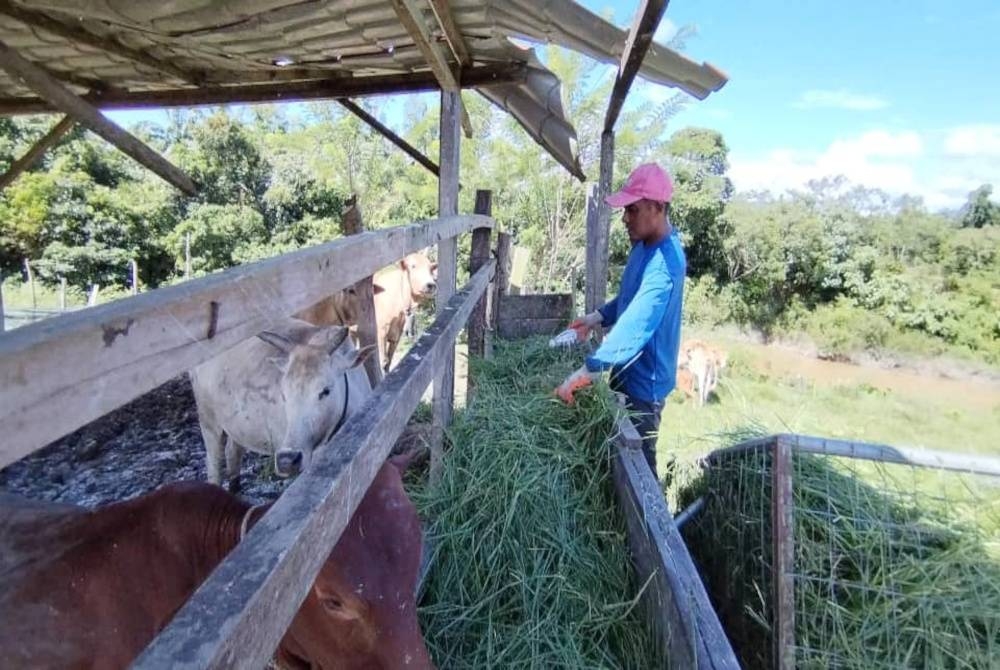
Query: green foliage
219	234
980	211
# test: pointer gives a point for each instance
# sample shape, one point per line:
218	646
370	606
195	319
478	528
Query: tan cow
91	588
284	392
398	289
704	362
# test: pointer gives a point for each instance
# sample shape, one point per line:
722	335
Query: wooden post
352	224
187	255
3	319
135	277
92	298
31	283
444	383
479	256
502	281
62	294
784	555
598	225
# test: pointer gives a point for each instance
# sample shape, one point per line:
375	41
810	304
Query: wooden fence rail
60	374
237	617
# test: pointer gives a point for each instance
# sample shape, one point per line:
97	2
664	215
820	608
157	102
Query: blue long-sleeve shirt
645	316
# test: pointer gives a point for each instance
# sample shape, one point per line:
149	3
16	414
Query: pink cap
647	181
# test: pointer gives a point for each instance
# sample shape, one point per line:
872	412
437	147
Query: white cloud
666	31
840	99
973	140
934	167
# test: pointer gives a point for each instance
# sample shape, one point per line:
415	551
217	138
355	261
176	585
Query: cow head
361	611
316	384
421	275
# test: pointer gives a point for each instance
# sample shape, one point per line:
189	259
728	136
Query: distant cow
284	392
91	589
705	363
398	290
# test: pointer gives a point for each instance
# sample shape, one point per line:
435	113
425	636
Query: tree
980	211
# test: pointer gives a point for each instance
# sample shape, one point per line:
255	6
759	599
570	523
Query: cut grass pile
895	567
531	566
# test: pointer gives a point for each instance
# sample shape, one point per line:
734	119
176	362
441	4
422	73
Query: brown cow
704	362
91	589
398	289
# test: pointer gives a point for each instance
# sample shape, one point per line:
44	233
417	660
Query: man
645	317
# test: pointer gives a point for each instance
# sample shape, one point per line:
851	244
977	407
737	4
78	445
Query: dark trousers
646	418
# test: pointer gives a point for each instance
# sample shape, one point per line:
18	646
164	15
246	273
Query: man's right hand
585	324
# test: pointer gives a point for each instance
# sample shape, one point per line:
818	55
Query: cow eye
333	604
324	393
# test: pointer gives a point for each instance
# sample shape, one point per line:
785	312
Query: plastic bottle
567	338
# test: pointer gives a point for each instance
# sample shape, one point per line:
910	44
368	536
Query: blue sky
899	95
903	96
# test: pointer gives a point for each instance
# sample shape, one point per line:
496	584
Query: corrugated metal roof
242	41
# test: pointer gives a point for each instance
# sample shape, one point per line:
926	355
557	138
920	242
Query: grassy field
782	391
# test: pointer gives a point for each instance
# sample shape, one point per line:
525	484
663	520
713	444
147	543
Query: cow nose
431	287
288	463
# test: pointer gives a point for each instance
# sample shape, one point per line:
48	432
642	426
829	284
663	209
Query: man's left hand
580	379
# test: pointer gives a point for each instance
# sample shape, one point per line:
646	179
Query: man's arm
639	321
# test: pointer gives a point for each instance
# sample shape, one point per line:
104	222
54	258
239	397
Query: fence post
187	255
92	298
31	283
444	382
784	555
480	256
502	281
3	319
62	294
135	277
352	224
598	222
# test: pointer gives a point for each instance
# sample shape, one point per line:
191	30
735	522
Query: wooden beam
289	91
687	630
447	270
647	18
41	20
479	255
442	12
365	292
61	97
387	133
34	154
90	362
598	228
238	616
413	20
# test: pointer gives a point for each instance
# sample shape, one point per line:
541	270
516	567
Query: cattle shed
76	58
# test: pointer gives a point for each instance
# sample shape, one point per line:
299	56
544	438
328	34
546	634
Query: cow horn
338	340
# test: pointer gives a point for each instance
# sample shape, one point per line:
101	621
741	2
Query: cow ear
403	264
434	267
363	355
278	341
376	289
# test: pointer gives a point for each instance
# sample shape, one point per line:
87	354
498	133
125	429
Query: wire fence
884	564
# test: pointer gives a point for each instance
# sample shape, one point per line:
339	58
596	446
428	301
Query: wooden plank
34	154
413	20
61	97
78	34
90	362
501	282
447	271
537	306
644	25
784	556
387	133
598	228
885	453
442	12
516	329
365	292
286	91
479	255
687	629
238	615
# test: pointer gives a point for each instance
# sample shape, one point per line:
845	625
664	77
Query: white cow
398	290
284	392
